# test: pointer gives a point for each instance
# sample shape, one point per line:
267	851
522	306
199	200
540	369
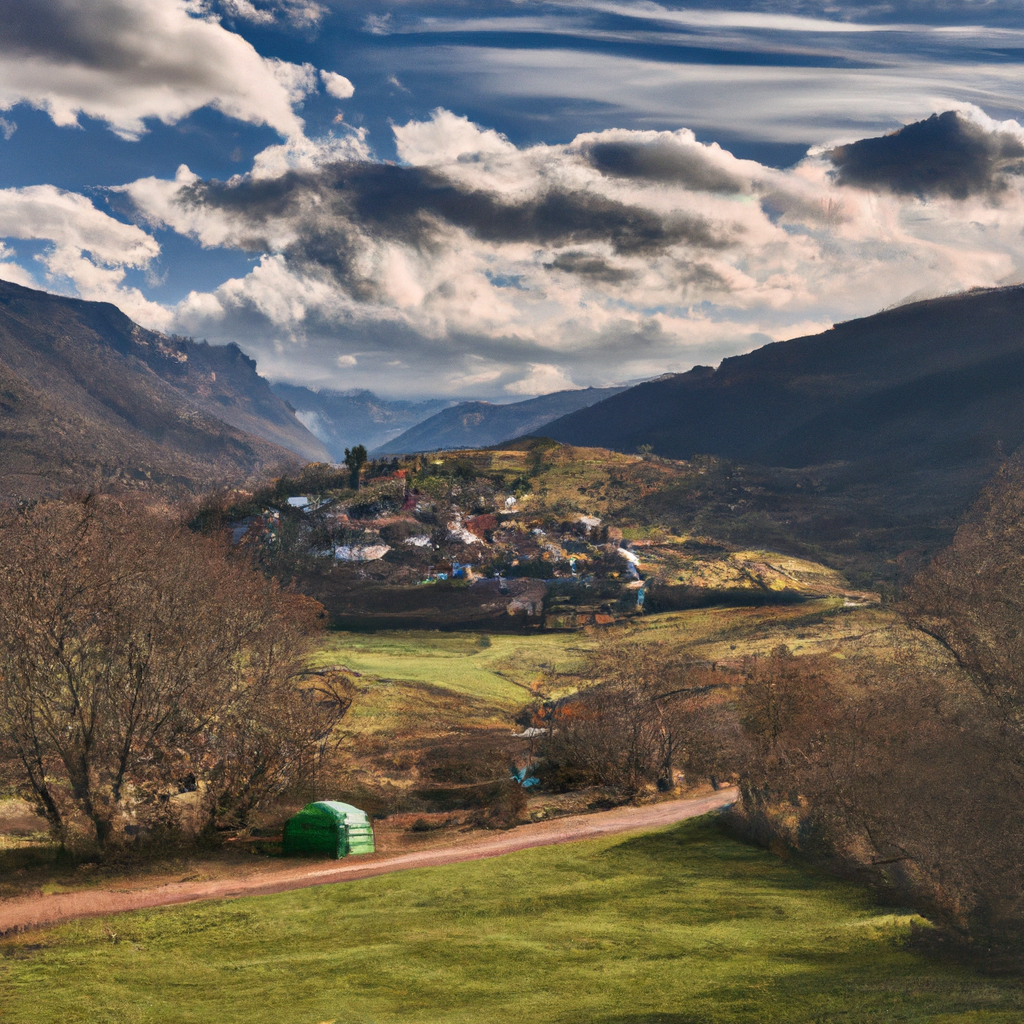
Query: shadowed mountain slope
897	418
343	419
481	424
87	397
820	399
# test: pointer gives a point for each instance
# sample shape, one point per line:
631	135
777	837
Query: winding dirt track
26	912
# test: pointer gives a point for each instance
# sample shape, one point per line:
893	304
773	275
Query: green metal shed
329	827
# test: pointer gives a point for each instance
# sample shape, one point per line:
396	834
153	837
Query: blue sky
503	199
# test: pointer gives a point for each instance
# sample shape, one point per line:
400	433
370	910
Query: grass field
473	680
683	926
457	679
497	668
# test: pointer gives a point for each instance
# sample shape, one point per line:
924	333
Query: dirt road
25	912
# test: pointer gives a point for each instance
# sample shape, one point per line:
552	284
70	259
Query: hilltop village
475	538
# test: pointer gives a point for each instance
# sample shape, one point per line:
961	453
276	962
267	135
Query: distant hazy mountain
88	397
343	419
479	424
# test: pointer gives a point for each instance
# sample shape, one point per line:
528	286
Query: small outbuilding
329	827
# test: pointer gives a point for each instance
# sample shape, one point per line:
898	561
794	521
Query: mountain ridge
743	408
880	431
344	419
483	424
88	398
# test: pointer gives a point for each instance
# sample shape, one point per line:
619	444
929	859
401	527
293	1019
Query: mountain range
481	424
344	419
874	436
893	422
88	398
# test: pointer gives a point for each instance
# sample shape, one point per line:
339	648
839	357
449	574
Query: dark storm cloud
330	209
592	267
662	162
944	155
63	30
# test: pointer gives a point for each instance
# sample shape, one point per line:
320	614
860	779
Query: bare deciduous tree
895	770
639	724
138	659
971	597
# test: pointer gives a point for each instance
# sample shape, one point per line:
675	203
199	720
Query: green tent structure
329	827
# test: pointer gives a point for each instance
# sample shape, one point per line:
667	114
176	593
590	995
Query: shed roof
338	810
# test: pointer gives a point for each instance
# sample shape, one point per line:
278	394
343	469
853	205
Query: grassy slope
503	670
683	926
816	627
473	680
492	675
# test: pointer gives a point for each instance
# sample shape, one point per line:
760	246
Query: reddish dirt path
25	912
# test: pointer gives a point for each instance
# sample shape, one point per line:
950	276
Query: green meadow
496	667
412	679
680	926
477	679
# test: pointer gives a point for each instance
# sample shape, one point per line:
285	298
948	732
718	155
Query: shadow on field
691	838
652	1018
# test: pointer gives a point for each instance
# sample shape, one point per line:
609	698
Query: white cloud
300	13
478	375
123	61
447	138
69	219
743	19
303	13
542	379
17	275
337	85
247	11
482	268
303	154
767	101
12	272
103	284
313	423
378	24
90	249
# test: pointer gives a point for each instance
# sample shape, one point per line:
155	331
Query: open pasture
499	668
680	926
473	680
470	678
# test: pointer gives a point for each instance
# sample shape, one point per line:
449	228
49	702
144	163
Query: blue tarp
523	777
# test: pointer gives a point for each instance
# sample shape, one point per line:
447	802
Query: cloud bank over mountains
619	253
467	263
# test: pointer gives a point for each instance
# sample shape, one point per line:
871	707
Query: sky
496	200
